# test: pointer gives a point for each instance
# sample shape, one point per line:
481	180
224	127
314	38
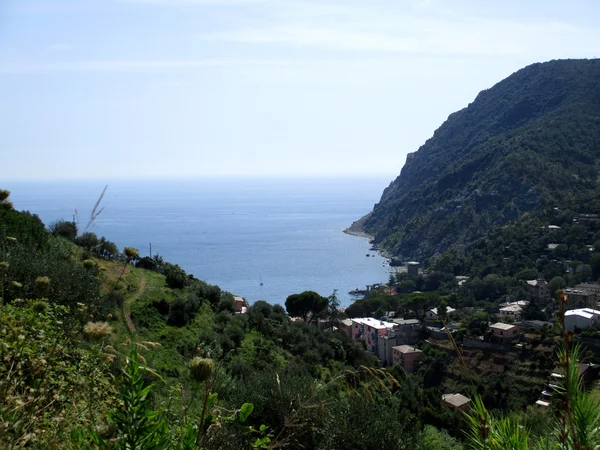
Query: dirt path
127	305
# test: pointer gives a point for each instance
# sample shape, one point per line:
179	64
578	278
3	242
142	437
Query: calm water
232	232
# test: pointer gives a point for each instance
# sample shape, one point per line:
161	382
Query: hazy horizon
123	89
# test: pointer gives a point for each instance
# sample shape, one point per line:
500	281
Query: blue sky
198	88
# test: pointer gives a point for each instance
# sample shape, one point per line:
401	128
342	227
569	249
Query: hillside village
519	319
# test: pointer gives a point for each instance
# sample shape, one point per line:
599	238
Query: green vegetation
528	143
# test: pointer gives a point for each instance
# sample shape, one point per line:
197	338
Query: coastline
382	252
359	234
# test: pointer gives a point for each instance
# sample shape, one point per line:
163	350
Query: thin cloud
419	36
179	3
61	47
132	65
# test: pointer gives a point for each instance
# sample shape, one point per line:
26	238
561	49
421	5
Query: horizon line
272	176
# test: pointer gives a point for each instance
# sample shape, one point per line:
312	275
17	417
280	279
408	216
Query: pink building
370	330
406	356
505	331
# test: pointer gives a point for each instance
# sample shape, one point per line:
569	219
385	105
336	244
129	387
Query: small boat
260	278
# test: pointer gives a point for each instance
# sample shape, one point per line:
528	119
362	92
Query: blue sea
236	233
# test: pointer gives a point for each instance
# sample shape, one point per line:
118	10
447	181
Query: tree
176	276
89	241
64	228
332	312
305	304
584	272
443	310
477	323
595	264
555	284
532	311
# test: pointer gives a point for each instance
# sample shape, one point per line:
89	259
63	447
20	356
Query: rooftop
512	308
588	313
406	321
456	400
592	286
406	349
448	310
502	326
536	282
373	323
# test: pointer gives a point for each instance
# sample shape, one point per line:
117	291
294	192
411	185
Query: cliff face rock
529	142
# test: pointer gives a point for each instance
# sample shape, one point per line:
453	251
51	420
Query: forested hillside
531	141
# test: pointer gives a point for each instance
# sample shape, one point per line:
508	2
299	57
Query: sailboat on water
260	278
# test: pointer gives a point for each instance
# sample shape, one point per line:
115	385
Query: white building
432	314
371	331
513	309
582	318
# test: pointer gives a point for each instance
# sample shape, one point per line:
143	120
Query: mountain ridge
528	142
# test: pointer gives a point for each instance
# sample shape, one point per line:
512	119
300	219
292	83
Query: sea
259	238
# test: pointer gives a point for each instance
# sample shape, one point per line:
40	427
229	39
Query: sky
105	89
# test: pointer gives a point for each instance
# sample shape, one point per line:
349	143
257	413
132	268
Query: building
582	297
405	332
538	288
406	357
589	287
432	314
461	279
240	305
370	330
581	319
586	218
535	324
458	402
412	267
345	327
504	332
512	309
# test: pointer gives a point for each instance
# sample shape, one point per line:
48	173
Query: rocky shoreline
353	231
359	234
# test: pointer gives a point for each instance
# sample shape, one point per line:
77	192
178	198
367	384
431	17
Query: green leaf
245	411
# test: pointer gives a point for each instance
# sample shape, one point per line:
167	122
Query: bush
65	229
